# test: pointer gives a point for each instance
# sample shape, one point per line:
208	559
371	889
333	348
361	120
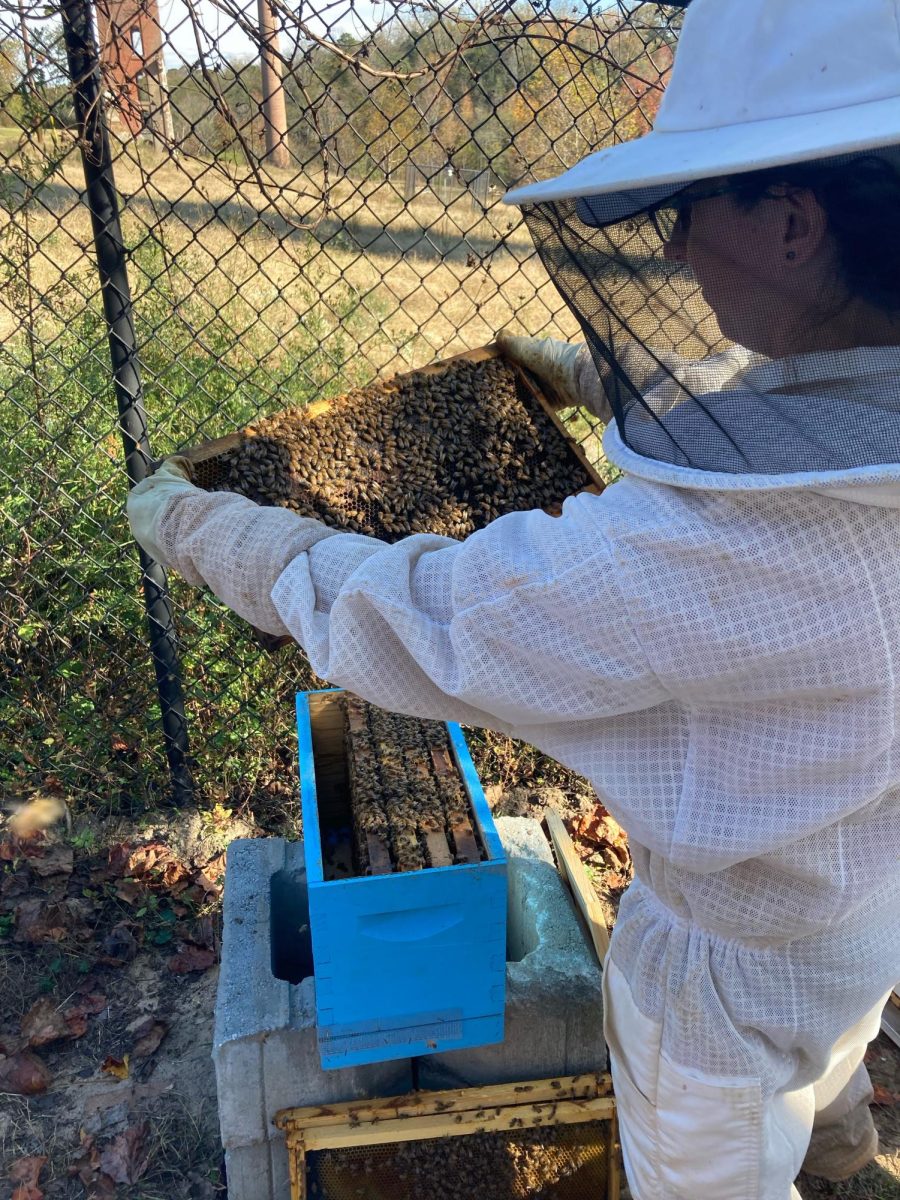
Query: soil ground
109	949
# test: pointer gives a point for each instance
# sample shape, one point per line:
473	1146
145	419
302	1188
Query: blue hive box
405	963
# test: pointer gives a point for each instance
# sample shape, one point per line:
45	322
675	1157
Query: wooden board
572	868
453	1100
438	1125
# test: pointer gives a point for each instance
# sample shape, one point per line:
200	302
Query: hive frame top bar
312	832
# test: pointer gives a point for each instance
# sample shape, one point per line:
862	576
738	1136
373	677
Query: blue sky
341	16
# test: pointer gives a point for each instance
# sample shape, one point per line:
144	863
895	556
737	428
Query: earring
791	255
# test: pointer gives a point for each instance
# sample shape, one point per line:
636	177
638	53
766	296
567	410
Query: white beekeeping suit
650	639
714	642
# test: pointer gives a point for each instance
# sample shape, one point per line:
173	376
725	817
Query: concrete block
554	1007
259	1171
265	1049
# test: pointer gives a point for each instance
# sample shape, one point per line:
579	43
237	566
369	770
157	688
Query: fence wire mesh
310	197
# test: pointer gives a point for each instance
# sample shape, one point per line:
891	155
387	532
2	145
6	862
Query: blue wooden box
405	963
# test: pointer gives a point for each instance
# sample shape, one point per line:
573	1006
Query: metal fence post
84	69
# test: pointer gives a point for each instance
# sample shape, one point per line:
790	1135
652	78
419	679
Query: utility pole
26	47
273	105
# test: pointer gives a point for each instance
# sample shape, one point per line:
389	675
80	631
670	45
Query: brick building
134	70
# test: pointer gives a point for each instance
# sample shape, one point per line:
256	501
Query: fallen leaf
15	882
149	1034
87	1167
884	1098
23	1074
27	1191
55	860
125	1158
91	1003
119	946
212	877
117	1067
25	1172
191	958
38	920
129	891
149	861
44	1023
175	876
76	1022
602	829
201	932
117	858
195	894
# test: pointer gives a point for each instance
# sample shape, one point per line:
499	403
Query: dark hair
861	198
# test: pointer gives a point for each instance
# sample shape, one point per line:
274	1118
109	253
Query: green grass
78	706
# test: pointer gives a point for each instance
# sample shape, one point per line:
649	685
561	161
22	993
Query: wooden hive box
410	962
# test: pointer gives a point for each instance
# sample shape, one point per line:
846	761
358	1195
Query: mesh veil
722	348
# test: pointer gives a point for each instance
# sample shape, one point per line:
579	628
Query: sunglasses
673	215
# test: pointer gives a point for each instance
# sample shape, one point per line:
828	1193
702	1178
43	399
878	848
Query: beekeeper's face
762	269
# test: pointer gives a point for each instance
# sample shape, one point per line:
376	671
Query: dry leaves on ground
47	1022
23	1074
25	1174
37	920
117	1067
123	1160
191	958
149	1034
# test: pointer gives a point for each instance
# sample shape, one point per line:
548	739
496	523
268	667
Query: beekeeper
715	641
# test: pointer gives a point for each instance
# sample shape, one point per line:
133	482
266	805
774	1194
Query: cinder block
554	1007
265	1048
260	1170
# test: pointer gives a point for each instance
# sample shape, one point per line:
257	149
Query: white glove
555	362
152	496
236	548
566	366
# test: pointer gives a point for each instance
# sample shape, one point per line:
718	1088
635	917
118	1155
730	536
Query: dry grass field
427	279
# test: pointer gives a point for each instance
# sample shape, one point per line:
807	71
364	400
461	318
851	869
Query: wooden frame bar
573	870
574	1099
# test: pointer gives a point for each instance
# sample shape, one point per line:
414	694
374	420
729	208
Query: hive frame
417	1116
208	452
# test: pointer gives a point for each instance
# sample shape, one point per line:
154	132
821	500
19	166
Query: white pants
686	1136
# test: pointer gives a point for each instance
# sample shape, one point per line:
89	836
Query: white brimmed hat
756	83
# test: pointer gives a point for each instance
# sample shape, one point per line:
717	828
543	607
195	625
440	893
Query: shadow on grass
873	1183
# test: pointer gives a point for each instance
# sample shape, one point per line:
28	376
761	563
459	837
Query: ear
804	225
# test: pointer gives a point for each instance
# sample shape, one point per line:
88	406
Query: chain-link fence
285	201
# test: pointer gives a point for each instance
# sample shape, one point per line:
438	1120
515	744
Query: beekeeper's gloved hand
235	547
566	366
152	496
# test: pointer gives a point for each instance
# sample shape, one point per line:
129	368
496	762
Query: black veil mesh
718	347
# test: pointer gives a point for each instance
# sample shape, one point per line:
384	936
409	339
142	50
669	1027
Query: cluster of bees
407	798
521	1165
430	452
